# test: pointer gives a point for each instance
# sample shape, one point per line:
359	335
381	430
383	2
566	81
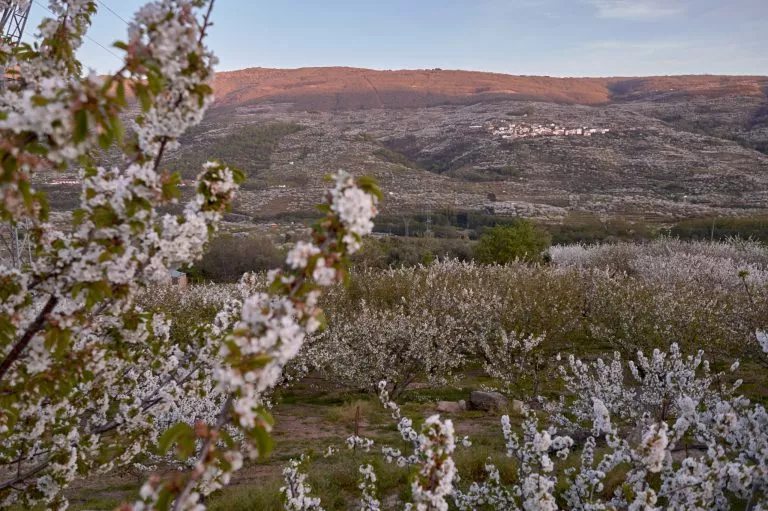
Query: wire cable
113	12
94	41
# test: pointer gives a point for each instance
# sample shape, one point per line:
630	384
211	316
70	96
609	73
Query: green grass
108	503
265	496
348	412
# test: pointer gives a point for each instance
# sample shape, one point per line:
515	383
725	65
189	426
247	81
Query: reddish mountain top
331	88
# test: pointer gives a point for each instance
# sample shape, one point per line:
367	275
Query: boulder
451	406
517	406
487	401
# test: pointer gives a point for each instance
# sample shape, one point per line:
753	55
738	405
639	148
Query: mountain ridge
349	88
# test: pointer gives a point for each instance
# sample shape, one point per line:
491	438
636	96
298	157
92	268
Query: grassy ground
316	414
309	418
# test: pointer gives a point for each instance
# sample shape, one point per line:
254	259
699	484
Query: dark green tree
505	243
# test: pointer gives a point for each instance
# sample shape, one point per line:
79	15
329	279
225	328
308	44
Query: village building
513	131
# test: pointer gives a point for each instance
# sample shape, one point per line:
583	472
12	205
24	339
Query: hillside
339	88
664	148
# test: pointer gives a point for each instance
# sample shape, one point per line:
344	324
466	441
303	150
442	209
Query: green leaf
155	82
120	93
105	140
57	341
38	100
181	434
118	132
143	95
81	125
7	330
263	440
78	216
164	499
322	319
238	175
10	164
171	187
226	438
103	216
96	292
368	184
36	148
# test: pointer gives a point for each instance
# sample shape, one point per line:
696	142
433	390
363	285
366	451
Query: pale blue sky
535	37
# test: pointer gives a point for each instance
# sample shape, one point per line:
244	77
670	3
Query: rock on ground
451	406
487	401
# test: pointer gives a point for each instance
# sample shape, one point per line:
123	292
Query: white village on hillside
524	130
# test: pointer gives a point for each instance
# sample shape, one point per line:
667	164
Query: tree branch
21	477
36	325
209	442
206	24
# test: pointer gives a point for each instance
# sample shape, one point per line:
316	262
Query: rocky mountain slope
675	147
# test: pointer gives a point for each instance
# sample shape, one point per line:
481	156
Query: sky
530	37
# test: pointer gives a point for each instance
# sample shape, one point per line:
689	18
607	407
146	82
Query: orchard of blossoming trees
86	375
101	369
677	430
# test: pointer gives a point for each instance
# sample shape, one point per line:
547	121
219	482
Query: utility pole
13	21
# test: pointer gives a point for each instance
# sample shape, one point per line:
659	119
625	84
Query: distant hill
670	147
344	88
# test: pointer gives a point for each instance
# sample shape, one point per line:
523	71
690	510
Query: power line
113	12
94	41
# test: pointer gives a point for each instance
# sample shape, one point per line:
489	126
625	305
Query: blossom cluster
84	370
670	259
16	4
257	334
432	321
87	374
367	486
709	451
296	492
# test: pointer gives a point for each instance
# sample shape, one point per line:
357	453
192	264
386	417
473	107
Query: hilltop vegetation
247	147
336	88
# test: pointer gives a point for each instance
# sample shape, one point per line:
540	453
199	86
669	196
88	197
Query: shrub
229	257
505	243
401	252
581	227
755	226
